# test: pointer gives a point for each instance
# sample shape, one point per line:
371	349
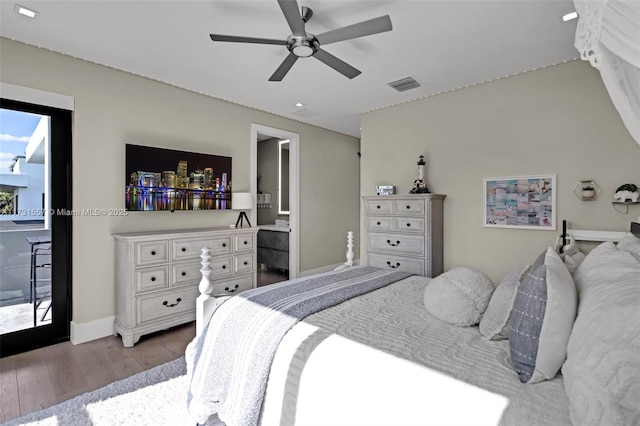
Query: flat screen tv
167	179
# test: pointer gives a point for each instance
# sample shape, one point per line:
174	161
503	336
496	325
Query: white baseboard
92	330
327	268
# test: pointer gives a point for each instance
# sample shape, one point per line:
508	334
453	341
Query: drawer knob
231	290
246	242
184	274
378	207
246	263
378	223
224	244
184	249
153	278
166	303
394	267
408	224
408	207
224	266
153	252
397	243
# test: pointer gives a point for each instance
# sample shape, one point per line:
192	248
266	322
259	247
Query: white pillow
459	296
494	322
631	244
542	318
602	371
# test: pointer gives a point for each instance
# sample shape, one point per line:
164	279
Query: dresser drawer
151	253
233	286
411	265
409	224
243	243
153	278
185	272
396	243
380	223
220	267
166	303
408	206
185	249
243	263
379	206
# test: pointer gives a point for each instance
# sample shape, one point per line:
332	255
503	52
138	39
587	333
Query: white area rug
154	397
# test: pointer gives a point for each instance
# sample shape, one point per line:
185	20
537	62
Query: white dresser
404	232
158	272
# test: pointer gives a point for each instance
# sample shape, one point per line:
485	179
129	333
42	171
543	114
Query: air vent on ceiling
305	112
404	84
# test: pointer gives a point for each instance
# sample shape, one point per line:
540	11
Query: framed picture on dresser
524	202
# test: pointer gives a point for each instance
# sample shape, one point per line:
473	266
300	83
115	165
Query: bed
364	346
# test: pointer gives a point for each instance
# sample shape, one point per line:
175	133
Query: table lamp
242	201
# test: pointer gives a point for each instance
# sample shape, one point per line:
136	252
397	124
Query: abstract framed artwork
524	202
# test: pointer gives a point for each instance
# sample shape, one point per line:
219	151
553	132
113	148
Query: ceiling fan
303	45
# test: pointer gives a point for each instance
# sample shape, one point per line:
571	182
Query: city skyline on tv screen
167	179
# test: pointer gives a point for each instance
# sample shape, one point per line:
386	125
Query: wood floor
44	377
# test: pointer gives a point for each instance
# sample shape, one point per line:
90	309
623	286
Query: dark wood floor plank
30	367
9	400
151	351
126	367
95	367
177	342
64	370
36	395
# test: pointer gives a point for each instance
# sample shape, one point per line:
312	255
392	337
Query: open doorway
275	183
35	232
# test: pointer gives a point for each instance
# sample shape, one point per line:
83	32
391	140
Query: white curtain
608	36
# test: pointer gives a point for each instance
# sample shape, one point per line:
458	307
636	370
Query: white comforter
381	359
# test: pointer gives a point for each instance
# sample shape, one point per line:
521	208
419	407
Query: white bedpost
349	249
349	261
205	303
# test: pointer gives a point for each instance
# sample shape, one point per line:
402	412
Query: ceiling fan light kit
304	45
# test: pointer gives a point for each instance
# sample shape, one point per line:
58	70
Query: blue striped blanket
228	363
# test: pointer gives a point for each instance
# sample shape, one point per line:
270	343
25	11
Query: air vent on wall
404	84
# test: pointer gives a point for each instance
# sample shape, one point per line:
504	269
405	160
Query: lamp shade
242	201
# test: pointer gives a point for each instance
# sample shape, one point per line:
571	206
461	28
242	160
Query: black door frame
60	200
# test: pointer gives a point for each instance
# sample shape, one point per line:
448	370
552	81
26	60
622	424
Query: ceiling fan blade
284	68
365	28
337	64
239	39
292	14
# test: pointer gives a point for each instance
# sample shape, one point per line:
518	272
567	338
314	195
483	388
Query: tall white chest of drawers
158	272
404	232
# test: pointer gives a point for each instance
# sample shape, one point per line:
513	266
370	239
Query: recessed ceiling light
299	104
25	11
570	16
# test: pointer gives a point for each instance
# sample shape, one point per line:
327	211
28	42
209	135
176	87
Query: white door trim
294	187
36	96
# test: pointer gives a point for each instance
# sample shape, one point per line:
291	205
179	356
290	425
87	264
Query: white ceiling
444	45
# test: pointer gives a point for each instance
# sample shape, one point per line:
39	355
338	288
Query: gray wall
113	108
557	120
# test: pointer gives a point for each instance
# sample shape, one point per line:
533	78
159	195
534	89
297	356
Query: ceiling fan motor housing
303	47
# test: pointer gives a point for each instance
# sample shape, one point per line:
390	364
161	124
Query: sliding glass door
35	235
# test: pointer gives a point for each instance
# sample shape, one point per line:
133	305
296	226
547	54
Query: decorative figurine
419	185
627	192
